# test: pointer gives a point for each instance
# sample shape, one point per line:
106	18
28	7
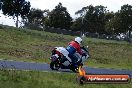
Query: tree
126	19
93	18
113	25
80	20
83	11
122	21
77	24
45	19
15	8
126	15
110	20
99	13
35	18
109	16
60	18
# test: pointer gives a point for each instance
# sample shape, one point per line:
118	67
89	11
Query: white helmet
78	39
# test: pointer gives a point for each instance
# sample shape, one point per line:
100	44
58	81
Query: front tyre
74	69
54	65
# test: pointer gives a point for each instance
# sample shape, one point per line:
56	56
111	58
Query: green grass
36	46
36	79
111	55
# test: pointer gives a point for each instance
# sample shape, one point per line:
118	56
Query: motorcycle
60	59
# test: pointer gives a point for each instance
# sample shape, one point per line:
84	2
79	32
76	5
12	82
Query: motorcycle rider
73	47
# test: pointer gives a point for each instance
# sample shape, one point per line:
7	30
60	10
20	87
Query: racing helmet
78	39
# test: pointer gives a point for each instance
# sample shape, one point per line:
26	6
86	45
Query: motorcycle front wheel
54	65
74	69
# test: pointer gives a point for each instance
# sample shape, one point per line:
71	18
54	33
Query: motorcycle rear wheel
54	65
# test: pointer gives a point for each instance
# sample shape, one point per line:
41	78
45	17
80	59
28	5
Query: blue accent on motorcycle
71	49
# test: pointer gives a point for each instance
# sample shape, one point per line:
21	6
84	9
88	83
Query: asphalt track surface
45	67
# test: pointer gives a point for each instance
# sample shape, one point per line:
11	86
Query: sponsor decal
101	78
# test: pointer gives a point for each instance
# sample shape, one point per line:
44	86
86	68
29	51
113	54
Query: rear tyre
54	65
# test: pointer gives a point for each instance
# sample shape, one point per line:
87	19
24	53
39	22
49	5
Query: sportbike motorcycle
60	59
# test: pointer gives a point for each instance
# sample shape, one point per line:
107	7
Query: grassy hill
36	46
